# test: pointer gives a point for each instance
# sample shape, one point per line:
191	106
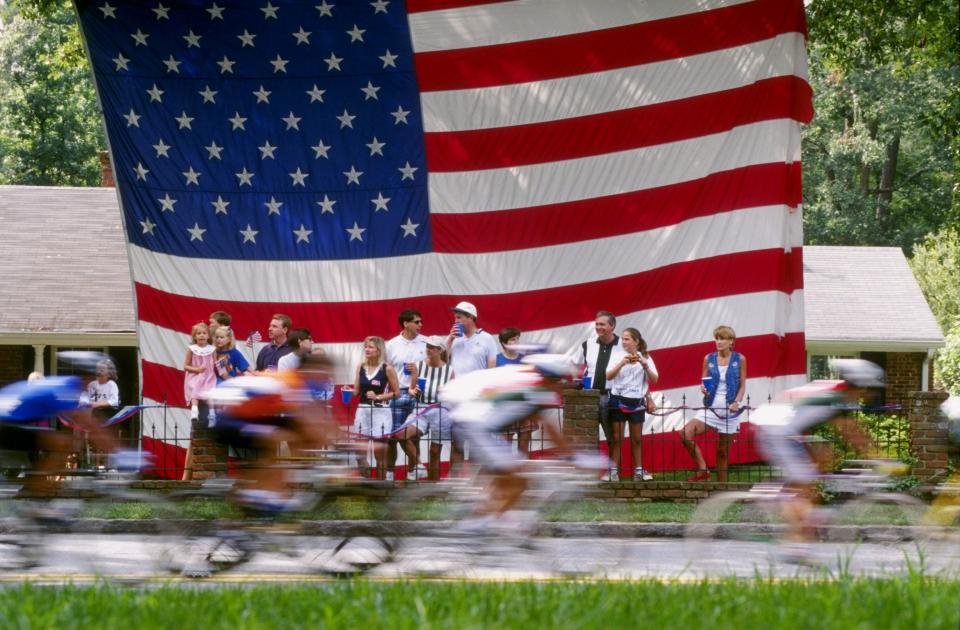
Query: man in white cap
470	348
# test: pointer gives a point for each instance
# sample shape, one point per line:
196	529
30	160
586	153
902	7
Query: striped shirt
436	378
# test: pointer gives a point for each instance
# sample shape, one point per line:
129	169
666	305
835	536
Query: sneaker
389	476
417	473
639	474
611	475
703	475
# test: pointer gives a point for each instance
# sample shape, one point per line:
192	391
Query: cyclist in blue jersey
27	409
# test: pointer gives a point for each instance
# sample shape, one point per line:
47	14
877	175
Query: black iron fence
387	439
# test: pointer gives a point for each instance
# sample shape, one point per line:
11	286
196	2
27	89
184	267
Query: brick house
66	281
865	302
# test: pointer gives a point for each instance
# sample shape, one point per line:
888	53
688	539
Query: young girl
629	379
198	366
228	361
375	385
724	375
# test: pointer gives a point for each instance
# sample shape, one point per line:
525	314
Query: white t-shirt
290	361
108	391
631	381
469	354
401	350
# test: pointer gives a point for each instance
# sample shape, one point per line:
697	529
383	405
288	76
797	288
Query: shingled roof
865	298
65	266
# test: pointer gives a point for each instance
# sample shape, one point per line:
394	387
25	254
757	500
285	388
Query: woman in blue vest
724	376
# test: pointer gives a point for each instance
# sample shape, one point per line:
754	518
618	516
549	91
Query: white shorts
488	449
783	448
720	419
435	422
373	422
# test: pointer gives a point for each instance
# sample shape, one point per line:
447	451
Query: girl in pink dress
198	366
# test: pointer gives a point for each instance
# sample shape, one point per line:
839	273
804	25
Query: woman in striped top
430	418
629	377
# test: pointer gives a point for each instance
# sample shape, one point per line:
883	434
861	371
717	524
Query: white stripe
171	425
614	173
665	327
471	274
621	88
507	22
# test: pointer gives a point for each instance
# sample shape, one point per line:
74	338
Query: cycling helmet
555	365
858	372
85	361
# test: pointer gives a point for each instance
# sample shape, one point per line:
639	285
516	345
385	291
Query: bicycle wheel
118	531
742	516
431	528
877	518
351	536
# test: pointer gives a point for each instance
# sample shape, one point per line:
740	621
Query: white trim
835	346
69	338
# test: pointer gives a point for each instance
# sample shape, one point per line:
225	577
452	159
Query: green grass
914	602
349	510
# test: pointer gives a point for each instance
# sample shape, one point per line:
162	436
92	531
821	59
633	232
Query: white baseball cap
437	341
466	307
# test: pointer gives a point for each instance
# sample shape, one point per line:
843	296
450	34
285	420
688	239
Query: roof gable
865	294
65	261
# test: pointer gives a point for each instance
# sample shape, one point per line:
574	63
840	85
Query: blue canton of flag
264	132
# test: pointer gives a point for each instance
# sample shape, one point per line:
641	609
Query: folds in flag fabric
543	159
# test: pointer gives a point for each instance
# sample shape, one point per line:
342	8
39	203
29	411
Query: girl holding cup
724	378
629	380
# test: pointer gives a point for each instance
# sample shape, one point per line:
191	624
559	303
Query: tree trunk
885	189
872	128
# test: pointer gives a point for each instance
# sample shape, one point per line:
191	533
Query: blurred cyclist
27	409
483	403
262	411
783	429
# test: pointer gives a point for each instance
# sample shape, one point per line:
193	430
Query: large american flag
543	159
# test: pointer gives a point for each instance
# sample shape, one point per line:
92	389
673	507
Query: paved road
76	557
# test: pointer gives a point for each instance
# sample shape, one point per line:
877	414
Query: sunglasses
418	321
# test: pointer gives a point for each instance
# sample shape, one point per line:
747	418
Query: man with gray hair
595	353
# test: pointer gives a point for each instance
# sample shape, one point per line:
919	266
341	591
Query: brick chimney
106	170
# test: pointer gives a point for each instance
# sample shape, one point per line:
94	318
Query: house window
819	365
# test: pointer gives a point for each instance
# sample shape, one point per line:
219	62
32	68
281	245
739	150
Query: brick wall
13	360
904	374
580	418
928	436
209	457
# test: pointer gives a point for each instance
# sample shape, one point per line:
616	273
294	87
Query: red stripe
334	322
420	6
163	384
606	49
554	224
621	130
767	356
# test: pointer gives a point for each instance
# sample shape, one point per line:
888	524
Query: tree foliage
881	156
936	264
50	127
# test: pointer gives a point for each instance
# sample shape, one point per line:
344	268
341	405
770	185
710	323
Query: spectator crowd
395	387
